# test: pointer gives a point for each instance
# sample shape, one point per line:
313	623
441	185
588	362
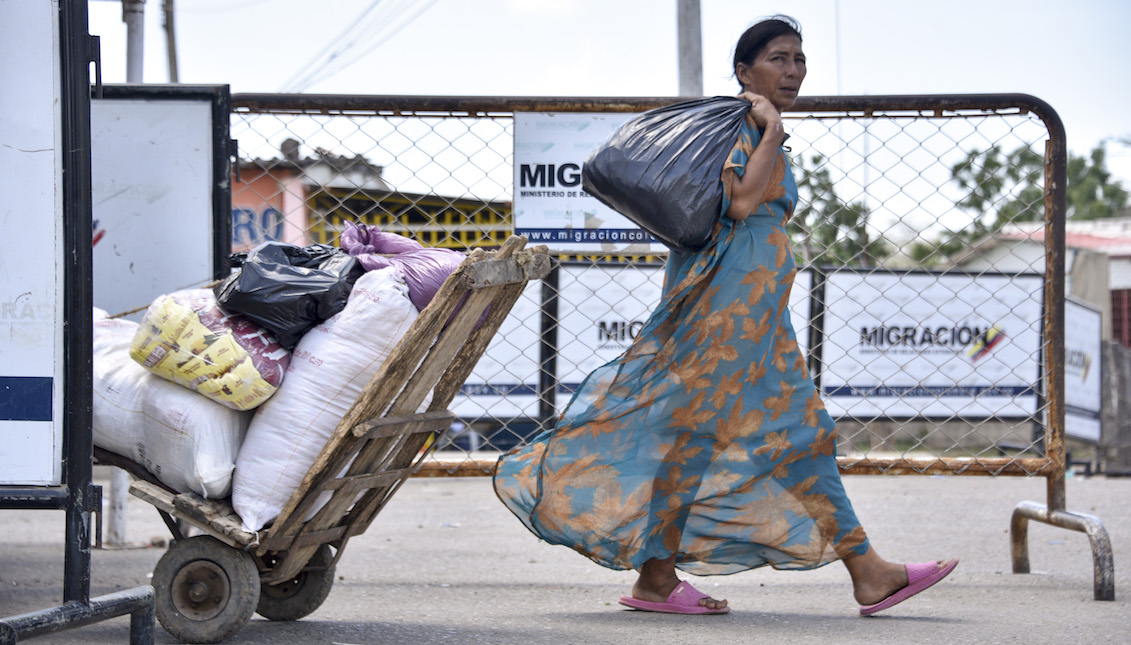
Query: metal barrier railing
939	207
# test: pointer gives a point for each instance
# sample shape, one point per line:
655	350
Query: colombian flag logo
984	343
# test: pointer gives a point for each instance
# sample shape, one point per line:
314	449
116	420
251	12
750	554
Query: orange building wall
268	205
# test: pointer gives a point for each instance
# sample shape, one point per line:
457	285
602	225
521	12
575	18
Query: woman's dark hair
755	39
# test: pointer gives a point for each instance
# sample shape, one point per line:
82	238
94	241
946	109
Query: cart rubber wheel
302	594
206	590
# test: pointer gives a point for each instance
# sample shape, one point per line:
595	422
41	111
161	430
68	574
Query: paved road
446	563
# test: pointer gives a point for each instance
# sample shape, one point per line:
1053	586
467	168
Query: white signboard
801	309
504	383
31	276
1082	377
550	206
601	310
931	345
151	184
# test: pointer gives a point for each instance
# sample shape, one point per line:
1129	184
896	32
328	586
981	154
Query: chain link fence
923	303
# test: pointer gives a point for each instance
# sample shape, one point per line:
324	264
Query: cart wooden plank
211	516
496	273
360	483
461	366
433	421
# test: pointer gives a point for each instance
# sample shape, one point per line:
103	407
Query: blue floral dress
706	438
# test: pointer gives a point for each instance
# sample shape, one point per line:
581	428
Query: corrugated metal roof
1111	236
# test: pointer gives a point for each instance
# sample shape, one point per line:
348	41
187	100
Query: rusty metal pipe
1056	180
503	105
998	466
1103	563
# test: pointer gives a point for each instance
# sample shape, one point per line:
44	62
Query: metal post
1054	512
133	14
1056	190
690	43
1103	560
170	41
115	534
548	349
77	298
138	603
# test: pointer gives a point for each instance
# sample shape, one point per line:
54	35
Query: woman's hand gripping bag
663	169
187	338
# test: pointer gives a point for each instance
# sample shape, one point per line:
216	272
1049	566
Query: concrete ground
446	563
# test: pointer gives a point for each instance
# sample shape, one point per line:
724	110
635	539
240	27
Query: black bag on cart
663	169
289	289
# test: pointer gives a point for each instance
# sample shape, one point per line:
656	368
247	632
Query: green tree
1006	187
1002	187
1092	194
825	228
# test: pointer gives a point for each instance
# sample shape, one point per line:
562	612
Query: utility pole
690	44
170	41
133	14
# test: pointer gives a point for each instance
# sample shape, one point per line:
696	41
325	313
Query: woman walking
705	446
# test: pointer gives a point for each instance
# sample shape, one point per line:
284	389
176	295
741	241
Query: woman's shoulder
748	138
750	131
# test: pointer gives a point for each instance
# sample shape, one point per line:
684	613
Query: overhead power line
377	23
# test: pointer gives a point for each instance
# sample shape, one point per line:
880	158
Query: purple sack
425	268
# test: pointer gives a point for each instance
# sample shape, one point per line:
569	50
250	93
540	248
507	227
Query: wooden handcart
209	585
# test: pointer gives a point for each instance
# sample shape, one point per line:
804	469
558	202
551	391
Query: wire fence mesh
922	303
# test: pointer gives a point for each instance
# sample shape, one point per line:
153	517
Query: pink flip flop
684	599
919	577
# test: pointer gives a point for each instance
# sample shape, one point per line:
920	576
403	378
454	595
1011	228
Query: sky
1073	55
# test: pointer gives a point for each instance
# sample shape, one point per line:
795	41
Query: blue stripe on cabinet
25	398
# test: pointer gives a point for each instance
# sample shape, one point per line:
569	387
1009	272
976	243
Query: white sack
329	367
187	441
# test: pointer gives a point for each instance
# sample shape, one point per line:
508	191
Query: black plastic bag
288	289
663	169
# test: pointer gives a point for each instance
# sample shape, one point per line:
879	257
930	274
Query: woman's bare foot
882	583
658	579
874	579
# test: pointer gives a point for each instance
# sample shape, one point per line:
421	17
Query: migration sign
550	206
920	344
609	305
504	383
1082	378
